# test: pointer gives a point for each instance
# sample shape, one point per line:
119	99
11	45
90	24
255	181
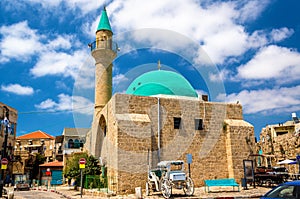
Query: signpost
189	161
82	163
48	174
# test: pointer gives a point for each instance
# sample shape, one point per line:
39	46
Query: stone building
13	117
161	117
27	146
279	142
73	140
11	134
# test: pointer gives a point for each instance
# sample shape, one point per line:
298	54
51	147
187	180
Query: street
36	195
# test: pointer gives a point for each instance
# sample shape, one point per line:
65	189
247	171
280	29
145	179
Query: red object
82	161
4	161
48	173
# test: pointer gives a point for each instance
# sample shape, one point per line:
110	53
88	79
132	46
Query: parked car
286	190
21	185
21	182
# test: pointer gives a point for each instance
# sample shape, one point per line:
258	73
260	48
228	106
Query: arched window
70	143
76	144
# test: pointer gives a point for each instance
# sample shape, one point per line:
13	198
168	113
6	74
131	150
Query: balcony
22	154
109	44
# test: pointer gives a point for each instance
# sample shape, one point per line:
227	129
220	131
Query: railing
108	44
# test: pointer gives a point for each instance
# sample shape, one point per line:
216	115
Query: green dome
161	82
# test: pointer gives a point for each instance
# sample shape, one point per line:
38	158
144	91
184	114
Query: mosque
161	117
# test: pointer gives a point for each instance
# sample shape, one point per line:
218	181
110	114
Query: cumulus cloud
82	5
272	62
65	103
281	100
54	56
17	89
19	42
278	35
59	63
215	25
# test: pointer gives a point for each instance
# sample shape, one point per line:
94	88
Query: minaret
104	51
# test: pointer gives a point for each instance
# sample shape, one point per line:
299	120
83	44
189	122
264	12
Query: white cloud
278	35
272	62
17	89
83	5
59	63
268	100
215	25
19	41
60	42
250	10
118	79
66	103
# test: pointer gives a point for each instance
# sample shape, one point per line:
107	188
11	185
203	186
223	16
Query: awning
286	161
294	162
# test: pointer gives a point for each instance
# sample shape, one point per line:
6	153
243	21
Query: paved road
36	195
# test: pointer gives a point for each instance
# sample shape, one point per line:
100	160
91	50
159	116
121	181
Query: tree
72	169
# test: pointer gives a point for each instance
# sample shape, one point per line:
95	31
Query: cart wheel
166	189
147	189
189	187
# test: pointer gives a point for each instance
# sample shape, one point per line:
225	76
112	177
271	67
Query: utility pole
3	154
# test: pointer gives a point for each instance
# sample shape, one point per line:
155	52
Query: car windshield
284	191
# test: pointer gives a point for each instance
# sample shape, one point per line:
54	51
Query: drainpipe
158	129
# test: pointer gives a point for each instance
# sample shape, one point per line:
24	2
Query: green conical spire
104	22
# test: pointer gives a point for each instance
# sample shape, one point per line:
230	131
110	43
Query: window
70	144
104	130
281	133
198	124
177	122
76	144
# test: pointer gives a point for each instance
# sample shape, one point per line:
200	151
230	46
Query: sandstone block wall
132	141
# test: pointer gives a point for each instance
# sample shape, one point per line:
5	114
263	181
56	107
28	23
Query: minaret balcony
100	44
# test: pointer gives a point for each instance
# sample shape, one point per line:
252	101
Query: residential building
278	142
10	131
73	141
13	117
26	148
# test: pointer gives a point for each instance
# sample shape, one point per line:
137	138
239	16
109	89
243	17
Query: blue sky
244	50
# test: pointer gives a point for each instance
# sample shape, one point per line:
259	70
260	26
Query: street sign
189	158
82	161
4	163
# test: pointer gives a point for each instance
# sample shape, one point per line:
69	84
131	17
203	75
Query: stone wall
131	139
277	146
